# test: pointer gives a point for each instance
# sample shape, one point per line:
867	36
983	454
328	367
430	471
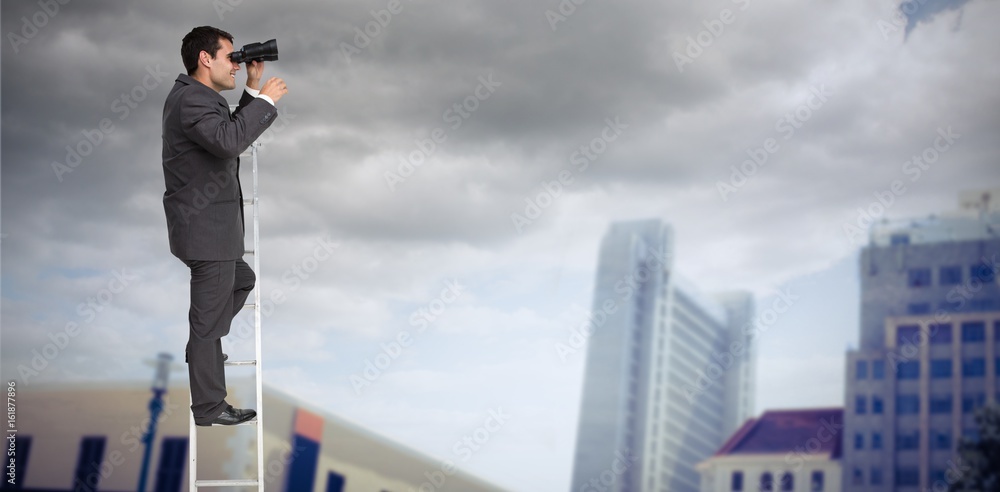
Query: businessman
203	202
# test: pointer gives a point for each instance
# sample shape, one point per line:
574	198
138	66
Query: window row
909	404
956	305
974	367
941	333
950	275
766	482
940	440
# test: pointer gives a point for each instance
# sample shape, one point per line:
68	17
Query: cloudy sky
464	159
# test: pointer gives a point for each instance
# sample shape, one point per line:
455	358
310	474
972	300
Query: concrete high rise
928	354
669	371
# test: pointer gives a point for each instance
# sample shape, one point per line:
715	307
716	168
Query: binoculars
266	51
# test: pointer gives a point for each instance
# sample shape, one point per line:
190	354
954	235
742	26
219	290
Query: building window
907	476
302	471
88	465
941	440
18	452
941	404
938	478
173	458
908	370
996	365
876	476
861	369
973	331
950	275
918	308
970	435
983	272
941	333
816	481
876	440
908	440
907	335
877	405
907	404
857	477
737	481
987	304
974	368
919	277
767	482
878	369
859	440
787	482
860	405
334	482
972	402
941	368
899	239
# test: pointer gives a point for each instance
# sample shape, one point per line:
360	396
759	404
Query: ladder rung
250	305
252	421
248	252
225	483
248	201
251	362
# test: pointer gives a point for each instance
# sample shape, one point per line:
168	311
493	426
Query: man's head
205	52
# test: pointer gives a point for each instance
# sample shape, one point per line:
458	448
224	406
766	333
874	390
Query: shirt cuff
256	93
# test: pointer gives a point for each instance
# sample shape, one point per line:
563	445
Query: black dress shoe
232	416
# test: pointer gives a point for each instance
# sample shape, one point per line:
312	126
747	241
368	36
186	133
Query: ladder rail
257	324
193	482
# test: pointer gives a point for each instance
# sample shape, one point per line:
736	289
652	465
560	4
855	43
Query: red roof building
780	451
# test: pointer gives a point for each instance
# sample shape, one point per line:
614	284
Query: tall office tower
930	340
669	372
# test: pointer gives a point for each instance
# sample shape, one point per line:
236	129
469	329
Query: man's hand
274	88
255	70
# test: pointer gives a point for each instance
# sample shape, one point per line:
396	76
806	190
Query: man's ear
205	59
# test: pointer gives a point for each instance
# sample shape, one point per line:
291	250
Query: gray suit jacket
202	142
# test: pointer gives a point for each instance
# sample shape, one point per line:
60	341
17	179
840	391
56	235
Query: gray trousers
218	291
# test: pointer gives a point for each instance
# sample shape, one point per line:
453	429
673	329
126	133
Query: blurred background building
930	340
88	437
669	371
782	450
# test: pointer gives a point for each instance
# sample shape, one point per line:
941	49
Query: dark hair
204	38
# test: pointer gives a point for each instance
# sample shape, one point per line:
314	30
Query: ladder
193	482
